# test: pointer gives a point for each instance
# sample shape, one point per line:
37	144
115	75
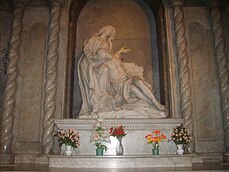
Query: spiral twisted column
183	69
7	117
51	75
222	69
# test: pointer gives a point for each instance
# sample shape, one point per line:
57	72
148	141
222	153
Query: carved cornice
177	2
214	2
21	2
55	2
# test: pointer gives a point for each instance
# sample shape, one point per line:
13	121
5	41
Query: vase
155	151
63	149
68	150
99	151
119	147
180	149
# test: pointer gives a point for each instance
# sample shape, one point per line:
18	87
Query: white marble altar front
134	142
137	153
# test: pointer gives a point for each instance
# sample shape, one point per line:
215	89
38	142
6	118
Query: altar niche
139	27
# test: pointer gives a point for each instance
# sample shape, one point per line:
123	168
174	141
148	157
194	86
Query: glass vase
119	146
180	149
99	151
155	151
68	150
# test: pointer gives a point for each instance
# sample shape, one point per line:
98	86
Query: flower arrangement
155	138
117	131
68	137
100	136
180	135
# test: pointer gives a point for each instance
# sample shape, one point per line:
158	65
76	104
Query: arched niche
139	26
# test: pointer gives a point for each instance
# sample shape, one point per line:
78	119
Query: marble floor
211	167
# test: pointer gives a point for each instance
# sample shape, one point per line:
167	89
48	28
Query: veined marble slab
134	161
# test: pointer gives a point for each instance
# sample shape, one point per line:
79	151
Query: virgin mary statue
108	90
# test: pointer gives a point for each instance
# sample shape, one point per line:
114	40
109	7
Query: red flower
117	131
156	132
163	136
111	130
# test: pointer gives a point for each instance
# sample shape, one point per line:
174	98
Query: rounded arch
152	10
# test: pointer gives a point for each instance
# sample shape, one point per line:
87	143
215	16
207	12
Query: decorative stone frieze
51	75
7	118
222	68
183	68
130	124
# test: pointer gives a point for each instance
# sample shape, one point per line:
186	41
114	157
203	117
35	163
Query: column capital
214	2
21	2
60	2
177	2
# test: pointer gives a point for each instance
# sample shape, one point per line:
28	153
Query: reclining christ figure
107	89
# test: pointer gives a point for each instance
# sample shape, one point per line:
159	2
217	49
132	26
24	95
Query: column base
7	159
30	158
226	157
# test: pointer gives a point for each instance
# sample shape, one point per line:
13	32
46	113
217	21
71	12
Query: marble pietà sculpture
108	90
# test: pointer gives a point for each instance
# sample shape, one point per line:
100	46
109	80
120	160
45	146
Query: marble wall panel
32	72
202	77
30	82
205	91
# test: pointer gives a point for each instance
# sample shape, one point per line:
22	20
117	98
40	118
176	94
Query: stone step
131	161
199	167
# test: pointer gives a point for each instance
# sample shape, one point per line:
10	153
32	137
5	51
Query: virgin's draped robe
108	90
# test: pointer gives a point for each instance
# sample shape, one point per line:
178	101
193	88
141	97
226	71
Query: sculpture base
134	110
120	114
